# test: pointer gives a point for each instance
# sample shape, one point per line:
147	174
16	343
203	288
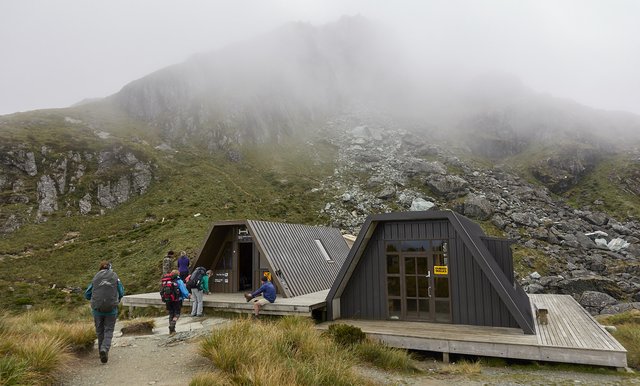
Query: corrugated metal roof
296	259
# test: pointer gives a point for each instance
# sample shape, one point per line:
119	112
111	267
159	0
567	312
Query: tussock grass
36	346
78	336
462	367
15	371
629	317
627	333
289	351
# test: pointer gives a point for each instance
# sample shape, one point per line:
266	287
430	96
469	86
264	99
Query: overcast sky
56	53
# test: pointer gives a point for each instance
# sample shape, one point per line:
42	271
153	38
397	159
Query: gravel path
157	359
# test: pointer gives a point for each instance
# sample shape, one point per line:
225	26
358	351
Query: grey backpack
104	296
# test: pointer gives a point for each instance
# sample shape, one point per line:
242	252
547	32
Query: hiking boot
254	317
172	330
199	316
104	356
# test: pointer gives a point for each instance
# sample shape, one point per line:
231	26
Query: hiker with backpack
173	291
105	292
198	284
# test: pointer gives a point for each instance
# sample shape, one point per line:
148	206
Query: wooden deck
235	302
571	336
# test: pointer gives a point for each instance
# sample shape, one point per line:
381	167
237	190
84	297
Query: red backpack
169	289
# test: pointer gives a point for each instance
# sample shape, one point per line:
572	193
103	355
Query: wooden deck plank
608	340
235	302
564	324
572	336
581	317
578	319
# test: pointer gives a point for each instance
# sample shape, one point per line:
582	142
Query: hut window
323	251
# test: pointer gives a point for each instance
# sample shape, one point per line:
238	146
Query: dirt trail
157	359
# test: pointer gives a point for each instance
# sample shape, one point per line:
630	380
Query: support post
445	357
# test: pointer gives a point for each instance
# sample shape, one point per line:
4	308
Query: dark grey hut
434	266
300	259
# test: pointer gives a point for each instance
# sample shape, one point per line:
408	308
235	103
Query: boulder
617	244
445	185
535	288
526	219
590	282
478	207
420	204
620	308
386	193
584	241
596	300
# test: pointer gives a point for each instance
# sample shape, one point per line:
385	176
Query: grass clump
628	335
462	367
36	345
627	332
297	354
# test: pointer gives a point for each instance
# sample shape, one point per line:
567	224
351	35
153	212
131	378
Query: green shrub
462	367
346	335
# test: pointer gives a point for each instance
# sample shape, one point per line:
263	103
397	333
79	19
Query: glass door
417	288
418	281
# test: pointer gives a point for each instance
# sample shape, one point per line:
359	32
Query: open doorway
245	266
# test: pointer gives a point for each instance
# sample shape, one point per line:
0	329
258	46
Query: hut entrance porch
418	281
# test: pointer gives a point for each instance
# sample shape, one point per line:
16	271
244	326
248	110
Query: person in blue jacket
175	307
268	292
105	292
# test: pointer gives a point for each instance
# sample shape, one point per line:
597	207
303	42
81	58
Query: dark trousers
104	330
174	313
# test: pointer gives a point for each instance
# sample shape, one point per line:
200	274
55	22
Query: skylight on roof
323	251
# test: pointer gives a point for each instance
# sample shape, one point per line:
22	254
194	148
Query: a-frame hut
300	259
433	266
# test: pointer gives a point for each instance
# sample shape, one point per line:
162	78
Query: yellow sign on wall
441	270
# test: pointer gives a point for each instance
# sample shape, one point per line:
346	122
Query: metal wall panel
473	299
501	251
476	302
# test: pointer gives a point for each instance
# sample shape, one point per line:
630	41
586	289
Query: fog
54	54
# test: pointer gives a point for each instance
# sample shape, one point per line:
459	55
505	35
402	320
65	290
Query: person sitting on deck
268	292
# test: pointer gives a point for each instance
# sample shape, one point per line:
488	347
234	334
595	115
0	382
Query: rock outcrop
61	182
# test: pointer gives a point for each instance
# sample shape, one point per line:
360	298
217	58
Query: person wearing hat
268	292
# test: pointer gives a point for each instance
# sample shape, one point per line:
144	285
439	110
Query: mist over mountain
298	76
271	86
